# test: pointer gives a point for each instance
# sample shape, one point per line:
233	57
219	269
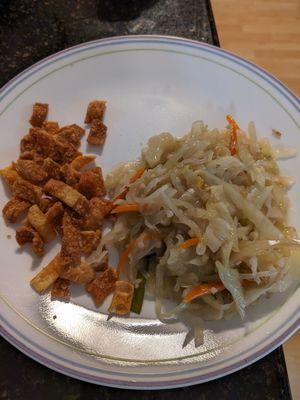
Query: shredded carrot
233	134
133	207
121	195
131	246
135	177
202	289
189	243
124	257
205	288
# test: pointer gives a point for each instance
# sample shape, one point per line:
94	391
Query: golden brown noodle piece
99	208
100	287
46	203
47	276
39	114
27	234
90	240
122	298
61	289
27	191
41	224
32	155
55	213
81	161
14	208
50	152
51	168
51	127
83	273
10	175
70	134
98	133
91	183
68	195
71	241
48	146
70	175
95	110
29	169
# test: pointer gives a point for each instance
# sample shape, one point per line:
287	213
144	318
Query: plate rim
279	86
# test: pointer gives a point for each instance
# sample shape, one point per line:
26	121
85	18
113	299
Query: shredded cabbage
233	206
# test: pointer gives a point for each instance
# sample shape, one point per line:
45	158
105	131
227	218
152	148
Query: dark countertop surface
33	29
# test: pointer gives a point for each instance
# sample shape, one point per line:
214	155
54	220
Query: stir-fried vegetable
189	243
139	292
125	208
233	134
210	208
136	243
135	177
203	289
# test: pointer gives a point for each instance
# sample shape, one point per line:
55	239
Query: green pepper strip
138	295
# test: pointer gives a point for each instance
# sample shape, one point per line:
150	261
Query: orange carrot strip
189	243
233	134
125	208
202	289
124	257
131	246
135	177
205	288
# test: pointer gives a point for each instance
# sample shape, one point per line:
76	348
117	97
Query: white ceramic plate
152	84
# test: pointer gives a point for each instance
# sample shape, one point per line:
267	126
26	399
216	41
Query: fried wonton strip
68	195
70	134
48	146
31	155
98	133
122	298
51	168
90	240
14	208
100	287
27	234
71	241
46	203
91	183
61	289
39	114
70	175
40	222
83	273
10	175
95	110
47	276
30	170
99	208
55	213
51	127
81	161
27	191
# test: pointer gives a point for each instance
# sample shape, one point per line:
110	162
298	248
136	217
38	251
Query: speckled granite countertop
33	29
